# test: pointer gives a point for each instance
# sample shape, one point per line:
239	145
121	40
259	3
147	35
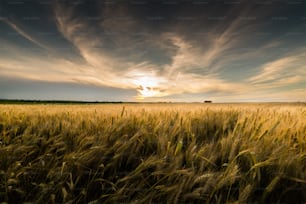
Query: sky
141	50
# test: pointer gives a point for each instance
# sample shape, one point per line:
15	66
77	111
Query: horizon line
139	102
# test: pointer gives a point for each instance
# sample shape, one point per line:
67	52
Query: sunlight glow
147	86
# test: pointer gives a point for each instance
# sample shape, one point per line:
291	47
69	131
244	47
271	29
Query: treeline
17	101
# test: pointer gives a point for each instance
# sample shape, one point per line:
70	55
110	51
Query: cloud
273	70
108	65
281	72
144	76
121	47
24	33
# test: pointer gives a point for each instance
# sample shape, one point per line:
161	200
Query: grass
157	153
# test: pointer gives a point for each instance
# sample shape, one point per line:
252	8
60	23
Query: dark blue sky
187	50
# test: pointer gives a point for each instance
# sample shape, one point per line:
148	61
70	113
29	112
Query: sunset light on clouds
153	50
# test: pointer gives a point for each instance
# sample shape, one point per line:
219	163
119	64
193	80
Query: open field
153	153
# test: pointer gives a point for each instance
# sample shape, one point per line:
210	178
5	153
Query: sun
147	86
147	92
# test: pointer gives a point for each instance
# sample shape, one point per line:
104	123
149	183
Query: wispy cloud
281	72
144	76
119	49
103	68
24	33
273	70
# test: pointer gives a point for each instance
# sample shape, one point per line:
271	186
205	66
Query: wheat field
153	153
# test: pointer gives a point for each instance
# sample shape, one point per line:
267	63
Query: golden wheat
153	153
